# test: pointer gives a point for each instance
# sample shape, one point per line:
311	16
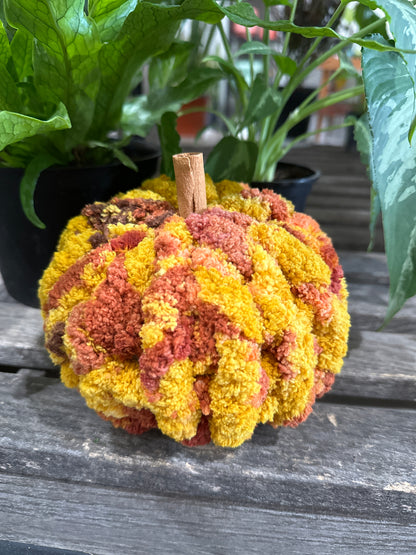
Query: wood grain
106	521
344	461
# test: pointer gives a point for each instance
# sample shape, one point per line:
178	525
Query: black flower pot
292	182
61	193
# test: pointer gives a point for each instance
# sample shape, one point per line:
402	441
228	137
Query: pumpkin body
202	327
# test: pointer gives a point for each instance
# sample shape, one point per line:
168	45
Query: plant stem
291	20
337	13
271	146
298	78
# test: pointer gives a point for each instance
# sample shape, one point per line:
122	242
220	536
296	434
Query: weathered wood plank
344	461
368	306
364	267
330	160
25	548
21	337
106	521
340	217
346	237
378	366
344	201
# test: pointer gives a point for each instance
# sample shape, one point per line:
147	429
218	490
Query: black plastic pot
61	193
293	182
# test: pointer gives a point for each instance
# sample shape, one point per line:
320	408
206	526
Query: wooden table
343	482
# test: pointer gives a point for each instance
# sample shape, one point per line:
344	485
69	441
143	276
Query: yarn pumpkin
202	327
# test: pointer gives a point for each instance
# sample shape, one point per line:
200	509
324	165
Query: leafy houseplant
67	67
253	142
66	73
389	81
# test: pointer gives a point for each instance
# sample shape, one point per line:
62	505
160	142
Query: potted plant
67	69
254	142
387	146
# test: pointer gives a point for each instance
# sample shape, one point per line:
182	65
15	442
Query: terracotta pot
189	125
60	194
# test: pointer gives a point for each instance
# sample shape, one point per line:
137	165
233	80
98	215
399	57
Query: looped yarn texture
202	327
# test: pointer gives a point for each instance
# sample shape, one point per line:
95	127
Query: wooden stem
190	182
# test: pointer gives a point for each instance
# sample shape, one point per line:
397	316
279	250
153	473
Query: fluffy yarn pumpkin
202	327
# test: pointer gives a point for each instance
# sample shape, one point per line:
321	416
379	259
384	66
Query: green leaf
243	14
9	95
116	152
233	159
277	3
254	47
229	69
137	118
141	113
170	67
28	185
65	58
22	54
15	127
147	31
109	16
169	142
4	46
402	20
263	101
391	100
285	64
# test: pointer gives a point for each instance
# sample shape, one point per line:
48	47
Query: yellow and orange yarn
203	327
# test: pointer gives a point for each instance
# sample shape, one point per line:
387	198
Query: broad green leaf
402	20
22	54
15	127
65	57
254	47
109	16
391	100
169	142
28	185
196	83
170	67
263	101
137	118
148	30
233	159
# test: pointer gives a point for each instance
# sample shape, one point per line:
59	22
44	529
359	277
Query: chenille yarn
203	327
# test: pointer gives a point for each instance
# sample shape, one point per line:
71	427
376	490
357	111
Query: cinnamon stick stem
190	182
